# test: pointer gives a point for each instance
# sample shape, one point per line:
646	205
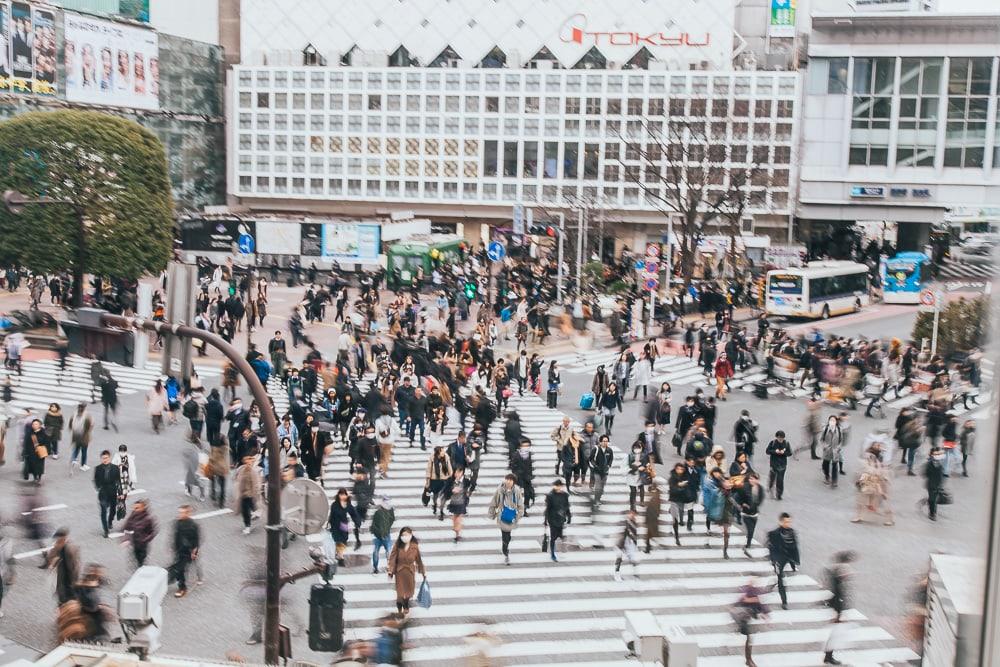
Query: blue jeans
380	543
951	460
412	431
402	418
911	454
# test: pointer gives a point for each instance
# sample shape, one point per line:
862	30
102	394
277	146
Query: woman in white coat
643	376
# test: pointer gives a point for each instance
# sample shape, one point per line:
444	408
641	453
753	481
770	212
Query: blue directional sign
496	251
246	244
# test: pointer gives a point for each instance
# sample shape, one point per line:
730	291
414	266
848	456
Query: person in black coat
934	473
779	451
685	418
749	497
522	467
35	439
783	550
601	459
214	413
682	492
512	433
557	514
745	433
342	513
107	478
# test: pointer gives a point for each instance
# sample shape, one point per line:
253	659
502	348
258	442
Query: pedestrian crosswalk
955	270
572	612
42	382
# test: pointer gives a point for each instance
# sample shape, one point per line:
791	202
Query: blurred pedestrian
140	528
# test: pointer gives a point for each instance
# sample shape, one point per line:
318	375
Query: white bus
819	289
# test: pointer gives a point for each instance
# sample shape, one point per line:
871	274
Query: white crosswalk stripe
41	382
573	612
953	270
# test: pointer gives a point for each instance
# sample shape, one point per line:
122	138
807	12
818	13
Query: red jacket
723	368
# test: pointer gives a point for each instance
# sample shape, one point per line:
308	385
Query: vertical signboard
27	49
782	19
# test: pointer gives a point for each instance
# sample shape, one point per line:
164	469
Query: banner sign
279	238
351	242
782	23
199	235
111	64
27	49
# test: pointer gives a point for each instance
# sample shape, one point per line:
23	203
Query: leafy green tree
112	213
962	325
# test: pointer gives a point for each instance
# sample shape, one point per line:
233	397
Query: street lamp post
272	616
15	202
562	240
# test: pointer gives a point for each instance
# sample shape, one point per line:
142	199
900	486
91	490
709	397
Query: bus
819	289
903	275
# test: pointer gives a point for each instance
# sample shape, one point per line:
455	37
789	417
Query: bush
962	325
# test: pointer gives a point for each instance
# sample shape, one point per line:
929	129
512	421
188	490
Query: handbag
424	595
545	542
944	498
508	514
507	392
425	497
120	510
41	451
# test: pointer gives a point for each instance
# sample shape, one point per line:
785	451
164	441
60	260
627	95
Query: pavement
565	613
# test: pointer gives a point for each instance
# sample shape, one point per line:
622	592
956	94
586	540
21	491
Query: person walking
80	428
522	466
652	510
967	442
140	528
749	498
507	508
554	383
723	371
214	414
638	475
873	486
381	530
949	443
934	474
749	608
128	473
248	484
628	546
404	563
716	496
601	460
187	542
682	492
109	399
156	404
191	457
436	477
778	452
812	426
838	576
832	441
34	451
342	513
610	401
64	558
557	515
783	551
455	495
218	469
53	424
107	479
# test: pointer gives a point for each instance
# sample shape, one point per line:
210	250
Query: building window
551	164
510	159
591	155
592	59
489	158
495	59
447	58
570	161
968	101
871	111
401	58
919	84
529	163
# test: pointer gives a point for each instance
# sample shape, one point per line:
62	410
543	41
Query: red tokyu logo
574	31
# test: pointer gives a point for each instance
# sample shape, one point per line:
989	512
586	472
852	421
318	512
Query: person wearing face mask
685	419
557	514
342	513
238	419
404	563
365	451
456	495
507	507
749	497
610	401
716	496
682	492
638	476
831	439
438	473
934	474
588	443
601	460
473	456
386	442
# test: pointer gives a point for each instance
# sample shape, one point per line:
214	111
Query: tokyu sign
575	31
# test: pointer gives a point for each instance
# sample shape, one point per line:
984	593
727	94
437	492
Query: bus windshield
785	284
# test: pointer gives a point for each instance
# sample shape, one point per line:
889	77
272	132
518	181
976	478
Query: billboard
200	235
27	49
279	238
111	64
351	242
782	19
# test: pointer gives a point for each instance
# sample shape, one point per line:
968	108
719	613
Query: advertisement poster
27	49
782	23
111	64
199	235
278	238
351	242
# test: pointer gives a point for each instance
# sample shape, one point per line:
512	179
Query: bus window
785	285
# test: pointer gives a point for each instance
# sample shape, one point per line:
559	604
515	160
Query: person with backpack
507	508
557	515
193	410
381	530
80	427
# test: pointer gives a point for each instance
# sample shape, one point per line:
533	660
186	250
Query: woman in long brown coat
404	563
653	513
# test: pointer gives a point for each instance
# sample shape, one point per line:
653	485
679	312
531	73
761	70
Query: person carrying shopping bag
404	563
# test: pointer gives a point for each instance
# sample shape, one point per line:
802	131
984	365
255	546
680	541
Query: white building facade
900	120
457	111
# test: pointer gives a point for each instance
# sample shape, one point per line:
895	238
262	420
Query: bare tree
682	170
734	208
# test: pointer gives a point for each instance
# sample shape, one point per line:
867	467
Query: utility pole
562	241
579	254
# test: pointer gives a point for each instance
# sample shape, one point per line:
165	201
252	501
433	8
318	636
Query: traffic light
470	290
544	230
326	618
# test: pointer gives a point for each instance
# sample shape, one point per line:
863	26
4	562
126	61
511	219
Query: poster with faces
111	64
27	49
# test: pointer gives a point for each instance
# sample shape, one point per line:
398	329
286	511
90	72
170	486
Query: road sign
246	244
305	508
496	251
518	219
651	284
652	267
652	250
927	298
640	265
